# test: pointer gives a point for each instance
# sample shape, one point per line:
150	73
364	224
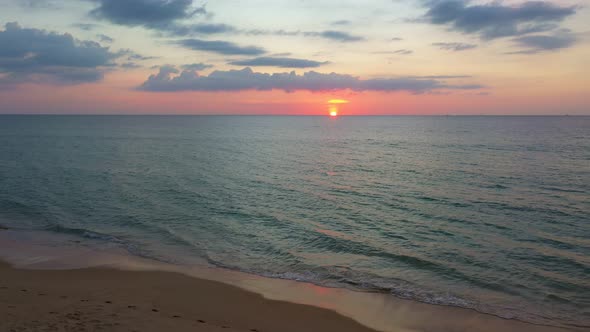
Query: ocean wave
84	233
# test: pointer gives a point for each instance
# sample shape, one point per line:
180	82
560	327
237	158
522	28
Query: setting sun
333	110
333	106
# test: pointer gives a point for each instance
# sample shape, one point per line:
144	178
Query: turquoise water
490	213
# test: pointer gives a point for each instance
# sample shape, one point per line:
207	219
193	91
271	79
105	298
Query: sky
295	57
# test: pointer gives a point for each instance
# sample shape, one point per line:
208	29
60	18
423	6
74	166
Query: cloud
197	66
39	4
85	26
164	16
398	52
280	62
133	56
198	29
104	38
340	36
541	43
220	47
341	22
454	46
403	52
131	65
171	79
494	20
149	13
442	77
33	55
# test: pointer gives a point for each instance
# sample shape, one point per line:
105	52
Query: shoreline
97	274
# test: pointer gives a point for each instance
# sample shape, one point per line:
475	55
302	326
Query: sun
333	106
333	111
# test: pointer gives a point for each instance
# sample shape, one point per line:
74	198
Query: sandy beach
55	283
110	300
100	299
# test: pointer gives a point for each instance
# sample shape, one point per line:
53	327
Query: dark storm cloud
541	43
171	79
454	46
496	20
220	47
33	55
280	62
150	13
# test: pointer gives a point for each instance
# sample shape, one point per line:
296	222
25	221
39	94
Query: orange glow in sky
338	101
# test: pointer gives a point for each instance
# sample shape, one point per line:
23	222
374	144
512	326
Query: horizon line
294	115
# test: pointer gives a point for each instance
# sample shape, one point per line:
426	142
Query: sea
490	213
